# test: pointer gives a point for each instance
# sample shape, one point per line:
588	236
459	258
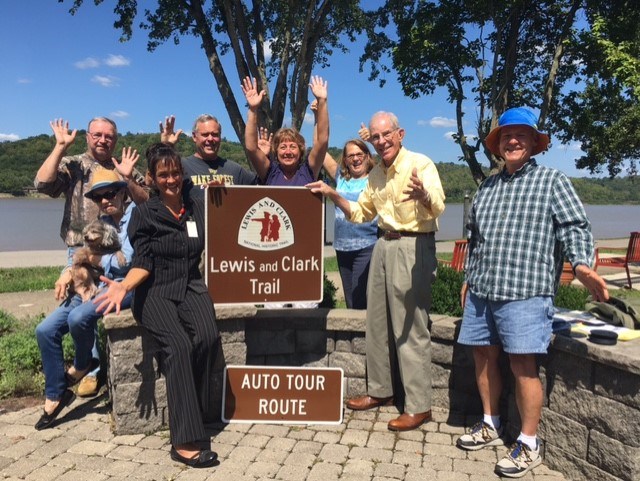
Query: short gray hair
395	124
205	118
103	119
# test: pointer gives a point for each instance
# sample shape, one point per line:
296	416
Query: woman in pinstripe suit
171	300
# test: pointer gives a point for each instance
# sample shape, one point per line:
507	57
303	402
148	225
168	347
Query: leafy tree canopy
565	58
278	42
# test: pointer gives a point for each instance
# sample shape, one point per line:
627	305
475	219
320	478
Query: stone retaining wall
591	415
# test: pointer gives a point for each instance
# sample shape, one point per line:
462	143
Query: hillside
20	160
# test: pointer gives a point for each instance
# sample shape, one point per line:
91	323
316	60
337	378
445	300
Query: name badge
192	229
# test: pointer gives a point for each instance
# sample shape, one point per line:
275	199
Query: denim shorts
521	327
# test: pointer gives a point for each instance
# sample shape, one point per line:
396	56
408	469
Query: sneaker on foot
480	435
518	461
88	386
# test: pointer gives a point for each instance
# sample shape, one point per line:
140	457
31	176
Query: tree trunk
555	64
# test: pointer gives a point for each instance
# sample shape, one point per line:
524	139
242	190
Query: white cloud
9	137
442	122
88	62
117	61
105	81
119	114
24	81
422	123
470	137
267	50
308	118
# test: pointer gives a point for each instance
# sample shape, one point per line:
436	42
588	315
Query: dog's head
101	237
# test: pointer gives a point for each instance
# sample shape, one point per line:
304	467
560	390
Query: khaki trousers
398	303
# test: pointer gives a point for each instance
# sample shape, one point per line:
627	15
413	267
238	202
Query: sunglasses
106	195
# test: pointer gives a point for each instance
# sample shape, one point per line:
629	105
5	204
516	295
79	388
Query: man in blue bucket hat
523	222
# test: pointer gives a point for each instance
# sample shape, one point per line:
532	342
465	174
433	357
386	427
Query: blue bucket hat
516	116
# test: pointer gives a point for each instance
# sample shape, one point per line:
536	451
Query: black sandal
206	458
46	420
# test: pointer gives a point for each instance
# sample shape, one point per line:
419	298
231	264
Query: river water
34	224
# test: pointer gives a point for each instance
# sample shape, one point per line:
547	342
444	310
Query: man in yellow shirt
405	192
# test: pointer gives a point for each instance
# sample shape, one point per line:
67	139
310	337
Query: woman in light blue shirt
353	243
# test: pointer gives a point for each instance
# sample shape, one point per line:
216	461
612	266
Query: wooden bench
632	256
459	255
567	275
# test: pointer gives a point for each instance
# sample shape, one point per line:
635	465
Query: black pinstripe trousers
187	334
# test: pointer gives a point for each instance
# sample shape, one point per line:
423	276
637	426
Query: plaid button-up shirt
521	227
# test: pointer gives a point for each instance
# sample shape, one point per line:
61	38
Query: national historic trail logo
266	227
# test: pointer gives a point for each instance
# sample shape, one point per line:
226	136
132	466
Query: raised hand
415	189
167	133
250	90
61	132
129	159
364	132
264	140
318	87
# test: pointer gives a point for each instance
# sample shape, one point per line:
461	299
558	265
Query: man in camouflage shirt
72	177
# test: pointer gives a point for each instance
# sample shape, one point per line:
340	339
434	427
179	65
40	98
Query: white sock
531	441
493	421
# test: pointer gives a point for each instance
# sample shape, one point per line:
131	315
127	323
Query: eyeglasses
359	155
388	135
105	195
97	136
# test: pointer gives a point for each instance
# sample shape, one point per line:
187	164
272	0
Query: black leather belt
398	234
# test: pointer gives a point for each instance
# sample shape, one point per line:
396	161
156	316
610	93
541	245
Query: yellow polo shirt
384	193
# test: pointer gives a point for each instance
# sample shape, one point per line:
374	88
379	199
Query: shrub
7	323
20	361
445	292
570	297
328	293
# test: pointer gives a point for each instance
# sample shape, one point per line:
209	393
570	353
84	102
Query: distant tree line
20	160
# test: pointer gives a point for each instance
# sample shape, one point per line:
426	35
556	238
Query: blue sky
55	65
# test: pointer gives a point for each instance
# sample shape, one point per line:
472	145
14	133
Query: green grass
613	250
445	256
331	264
632	294
23	279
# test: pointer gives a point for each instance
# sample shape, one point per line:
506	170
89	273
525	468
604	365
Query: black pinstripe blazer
162	246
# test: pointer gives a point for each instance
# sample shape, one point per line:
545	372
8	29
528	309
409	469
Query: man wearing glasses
405	192
72	176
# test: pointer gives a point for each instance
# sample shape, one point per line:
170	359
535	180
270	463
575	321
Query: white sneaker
480	435
518	461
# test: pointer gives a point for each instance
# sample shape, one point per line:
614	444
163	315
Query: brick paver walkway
82	447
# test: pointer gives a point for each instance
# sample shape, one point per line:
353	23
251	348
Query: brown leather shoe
407	422
368	402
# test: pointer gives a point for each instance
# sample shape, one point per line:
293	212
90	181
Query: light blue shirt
349	236
109	262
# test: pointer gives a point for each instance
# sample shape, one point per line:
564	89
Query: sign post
264	244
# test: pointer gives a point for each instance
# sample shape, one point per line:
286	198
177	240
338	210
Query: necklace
179	215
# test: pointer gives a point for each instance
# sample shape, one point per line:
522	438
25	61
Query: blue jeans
78	319
354	272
